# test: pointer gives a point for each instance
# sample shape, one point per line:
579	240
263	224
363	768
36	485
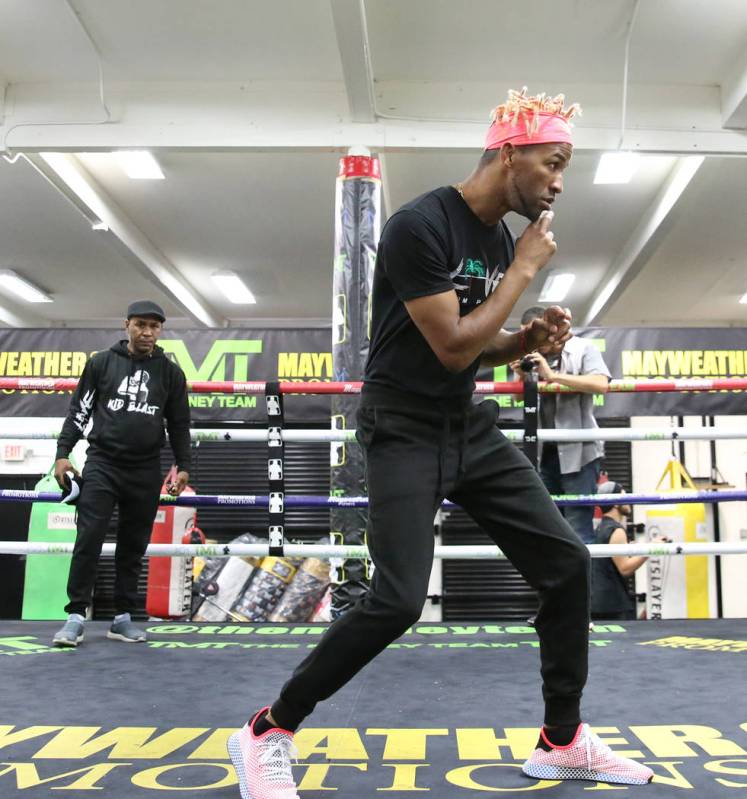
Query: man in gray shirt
572	467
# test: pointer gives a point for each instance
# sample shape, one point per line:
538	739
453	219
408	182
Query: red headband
550	128
524	120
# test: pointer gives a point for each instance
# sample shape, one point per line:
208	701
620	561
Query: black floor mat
451	709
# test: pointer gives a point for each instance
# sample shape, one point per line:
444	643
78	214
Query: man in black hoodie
131	390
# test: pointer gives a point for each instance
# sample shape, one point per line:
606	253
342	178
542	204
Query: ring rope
470	552
348	436
623	385
312	501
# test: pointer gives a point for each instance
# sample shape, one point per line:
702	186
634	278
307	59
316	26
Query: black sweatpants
135	489
415	457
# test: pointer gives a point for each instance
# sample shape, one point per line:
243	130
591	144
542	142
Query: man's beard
526	211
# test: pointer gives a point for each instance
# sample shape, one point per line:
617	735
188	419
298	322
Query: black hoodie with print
130	398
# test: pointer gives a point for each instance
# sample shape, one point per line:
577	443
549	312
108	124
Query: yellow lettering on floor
483	744
149	777
127	742
315	774
343	743
462	778
27	776
214	747
675	740
719	767
675	779
405	743
404	777
8	738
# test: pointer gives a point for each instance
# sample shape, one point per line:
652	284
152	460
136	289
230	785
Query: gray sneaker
123	629
71	633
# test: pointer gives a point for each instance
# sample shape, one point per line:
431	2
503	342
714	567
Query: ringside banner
305	355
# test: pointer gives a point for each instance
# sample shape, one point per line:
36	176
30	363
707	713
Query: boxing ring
135	721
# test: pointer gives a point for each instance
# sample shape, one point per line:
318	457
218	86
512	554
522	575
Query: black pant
135	489
415	458
614	615
584	481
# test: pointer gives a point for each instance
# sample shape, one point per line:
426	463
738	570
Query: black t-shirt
431	245
609	589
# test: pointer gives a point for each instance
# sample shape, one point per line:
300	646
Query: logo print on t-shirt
472	283
475	268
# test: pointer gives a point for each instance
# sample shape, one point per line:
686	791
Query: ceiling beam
294	115
65	172
637	249
352	41
378	137
734	97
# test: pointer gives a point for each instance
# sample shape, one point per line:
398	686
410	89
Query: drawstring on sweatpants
444	447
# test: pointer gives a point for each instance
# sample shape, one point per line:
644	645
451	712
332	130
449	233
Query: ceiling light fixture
556	287
743	299
21	287
138	164
70	178
72	186
618	167
185	297
233	287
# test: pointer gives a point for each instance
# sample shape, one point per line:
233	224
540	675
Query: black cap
145	308
609	487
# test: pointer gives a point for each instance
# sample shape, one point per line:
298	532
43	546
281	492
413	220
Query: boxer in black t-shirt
448	275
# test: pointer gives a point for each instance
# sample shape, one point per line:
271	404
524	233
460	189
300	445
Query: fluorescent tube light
557	286
21	287
139	164
617	167
233	288
185	297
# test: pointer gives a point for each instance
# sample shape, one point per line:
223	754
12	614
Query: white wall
731	458
38	453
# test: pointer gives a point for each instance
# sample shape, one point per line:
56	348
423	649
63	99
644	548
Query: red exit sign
13	452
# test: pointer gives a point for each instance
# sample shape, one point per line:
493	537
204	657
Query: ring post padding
531	412
275	468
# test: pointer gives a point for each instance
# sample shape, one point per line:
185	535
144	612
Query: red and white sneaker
586	757
263	762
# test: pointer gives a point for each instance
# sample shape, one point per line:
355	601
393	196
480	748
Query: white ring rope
348	436
324	551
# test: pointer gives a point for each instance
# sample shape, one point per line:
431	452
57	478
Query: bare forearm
504	348
628	566
586	384
476	332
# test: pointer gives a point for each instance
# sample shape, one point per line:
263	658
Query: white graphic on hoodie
80	420
135	388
